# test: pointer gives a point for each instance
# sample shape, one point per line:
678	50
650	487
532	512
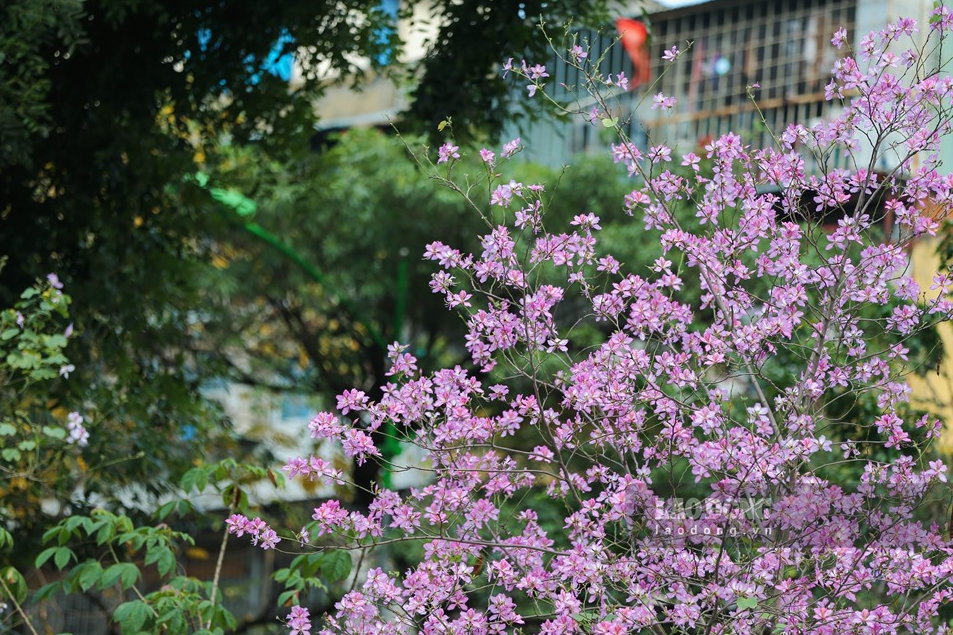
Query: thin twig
16	605
217	576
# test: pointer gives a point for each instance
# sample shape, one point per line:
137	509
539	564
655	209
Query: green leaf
133	539
25	360
105	533
173	620
205	610
51	533
132	616
286	597
73	522
164	510
55	341
152	555
10	454
62	557
747	603
183	507
7	430
336	565
129	576
6	538
45	555
110	576
124	573
15	582
163	558
307	564
610	122
224	615
234	496
166	563
46	591
9	334
54	433
89	575
196	478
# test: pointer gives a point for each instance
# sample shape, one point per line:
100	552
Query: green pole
390	447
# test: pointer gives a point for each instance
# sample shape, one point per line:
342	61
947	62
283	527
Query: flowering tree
789	532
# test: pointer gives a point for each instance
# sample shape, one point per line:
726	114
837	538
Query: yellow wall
935	391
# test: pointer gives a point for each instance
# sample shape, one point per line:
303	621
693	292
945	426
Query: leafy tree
101	113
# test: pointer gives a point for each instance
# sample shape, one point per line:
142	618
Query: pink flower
330	517
325	425
662	102
299	621
670	54
351	400
446	152
840	36
77	433
358	444
538	72
692	160
237	524
658	154
54	281
586	221
268	539
458	299
510	148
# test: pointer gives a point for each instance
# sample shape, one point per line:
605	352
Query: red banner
634	37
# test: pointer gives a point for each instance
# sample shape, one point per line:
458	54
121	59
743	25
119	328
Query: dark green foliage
27	29
109	107
455	79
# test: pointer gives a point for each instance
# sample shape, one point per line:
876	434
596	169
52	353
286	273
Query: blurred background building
779	50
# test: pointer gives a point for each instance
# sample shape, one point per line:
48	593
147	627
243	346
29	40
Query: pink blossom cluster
77	432
261	534
677	395
299	621
535	73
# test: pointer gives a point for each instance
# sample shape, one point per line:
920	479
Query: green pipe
246	207
273	241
